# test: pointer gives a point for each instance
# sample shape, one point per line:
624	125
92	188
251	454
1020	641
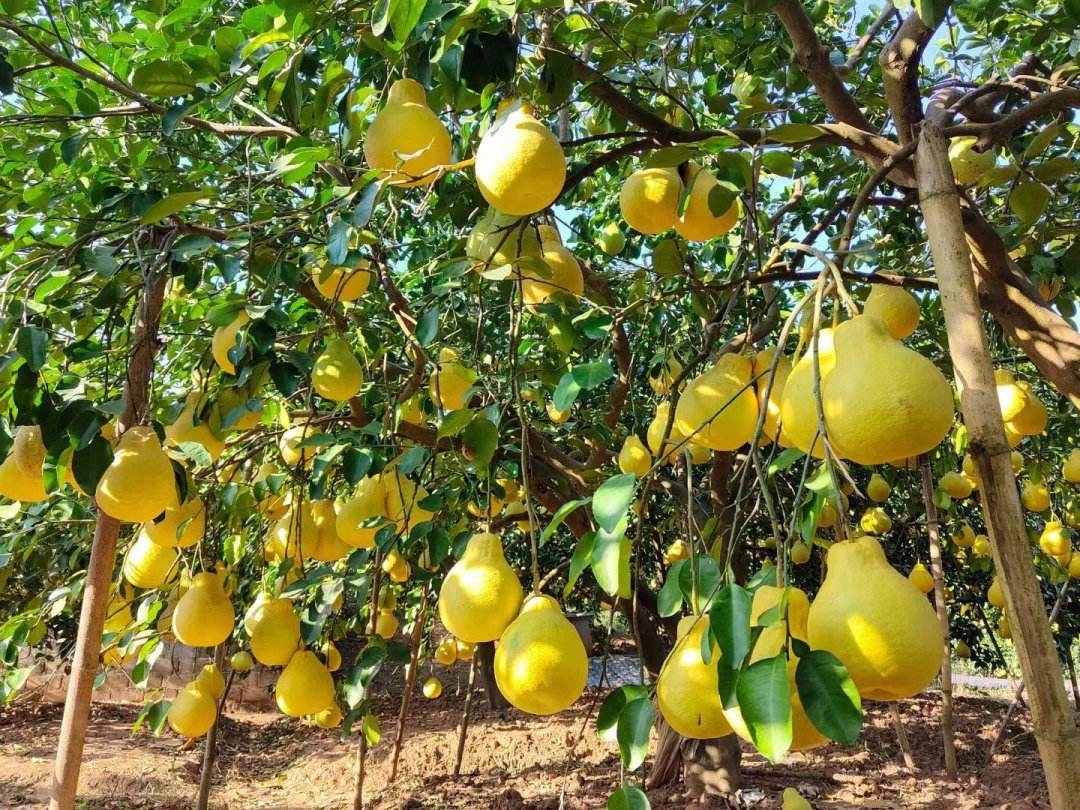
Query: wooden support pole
1055	728
933	531
86	658
210	748
901	736
410	682
463	728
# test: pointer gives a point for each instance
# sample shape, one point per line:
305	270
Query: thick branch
900	72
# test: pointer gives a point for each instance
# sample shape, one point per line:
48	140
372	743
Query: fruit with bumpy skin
718	409
540	662
406	139
28	450
337	375
446	652
432	688
272	504
292	537
481	594
871	423
341	283
211	681
274	629
291	439
1035	497
520	166
225	338
330	717
1055	539
698	223
968	165
386	624
769	387
1074	565
192	712
878	489
921	578
956	485
662	374
611	239
138	485
329	547
1011	397
687	689
403	498
634	457
876	622
332	655
649	199
898	308
241	662
1033	417
565	273
204	615
305	686
148	565
182	526
367	503
1070	470
450	383
798	405
800	553
875	521
184	429
499	239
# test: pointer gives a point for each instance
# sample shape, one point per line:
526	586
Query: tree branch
899	62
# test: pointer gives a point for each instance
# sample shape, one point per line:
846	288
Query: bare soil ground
511	763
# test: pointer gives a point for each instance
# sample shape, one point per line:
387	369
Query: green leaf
173	204
560	515
635	722
1055	168
89	463
829	696
481	440
794	133
612	499
163	79
765	702
729	621
670	599
779	163
566	392
591	375
427	326
611	561
932	12
69	149
669	157
579	561
1029	200
607	719
454	422
628	797
784	460
721	197
31	341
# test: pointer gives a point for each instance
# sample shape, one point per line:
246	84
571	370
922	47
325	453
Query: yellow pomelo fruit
981	546
204	615
878	489
28	450
241	661
289	444
1016	459
800	552
898	308
274	629
921	578
634	457
540	661
1003	627
699	453
17	486
798	406
184	428
1070	470
499	239
965	536
337	375
1055	540
957	485
465	650
330	717
232	399
225	338
557	416
968	165
649	200
328	546
1033	417
698	223
871	423
138	485
481	593
292	537
565	276
1011	397
332	655
1074	565
406	139
446	652
718	409
612	240
386	624
1035	497
403	499
995	595
400	572
305	686
181	526
875	521
192	712
148	565
450	383
118	613
1013	437
520	166
770	392
341	283
432	688
662	375
678	550
356	519
211	682
963	650
876	622
687	689
272	504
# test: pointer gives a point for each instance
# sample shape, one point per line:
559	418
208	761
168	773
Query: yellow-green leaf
1028	200
173	204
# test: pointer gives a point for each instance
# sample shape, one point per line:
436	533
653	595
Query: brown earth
517	762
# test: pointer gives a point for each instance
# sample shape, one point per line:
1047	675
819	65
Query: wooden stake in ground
463	728
933	531
86	658
361	750
410	682
901	736
210	747
1055	729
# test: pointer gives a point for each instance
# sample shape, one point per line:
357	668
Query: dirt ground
511	763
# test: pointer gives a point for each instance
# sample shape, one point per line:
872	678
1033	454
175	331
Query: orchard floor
520	762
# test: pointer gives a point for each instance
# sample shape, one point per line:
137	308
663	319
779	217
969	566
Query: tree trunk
1055	728
485	657
86	658
712	766
206	779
